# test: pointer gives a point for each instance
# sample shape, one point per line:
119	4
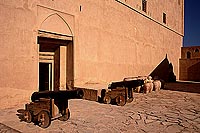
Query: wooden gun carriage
42	109
122	92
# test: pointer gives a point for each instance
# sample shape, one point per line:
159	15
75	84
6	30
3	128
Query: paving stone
148	121
173	129
7	129
150	117
190	117
158	112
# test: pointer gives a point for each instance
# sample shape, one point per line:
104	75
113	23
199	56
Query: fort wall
111	39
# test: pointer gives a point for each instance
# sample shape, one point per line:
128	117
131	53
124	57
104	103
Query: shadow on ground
192	87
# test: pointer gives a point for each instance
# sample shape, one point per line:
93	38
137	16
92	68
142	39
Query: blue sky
192	23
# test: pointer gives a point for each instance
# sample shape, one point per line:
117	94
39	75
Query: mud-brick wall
189	69
116	41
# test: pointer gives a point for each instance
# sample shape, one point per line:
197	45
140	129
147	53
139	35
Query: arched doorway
55	40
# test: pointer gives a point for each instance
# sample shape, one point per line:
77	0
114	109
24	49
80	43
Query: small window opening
144	5
179	2
164	18
188	55
80	8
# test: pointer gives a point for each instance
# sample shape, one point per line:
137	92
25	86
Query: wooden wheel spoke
120	100
107	99
44	119
27	116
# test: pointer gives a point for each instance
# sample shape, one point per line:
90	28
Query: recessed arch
55	37
55	23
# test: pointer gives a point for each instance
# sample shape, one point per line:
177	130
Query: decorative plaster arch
55	23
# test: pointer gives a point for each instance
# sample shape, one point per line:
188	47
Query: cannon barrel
133	83
58	95
129	84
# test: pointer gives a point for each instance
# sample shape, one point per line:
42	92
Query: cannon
47	106
122	91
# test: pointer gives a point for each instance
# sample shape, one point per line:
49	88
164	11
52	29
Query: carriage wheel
129	100
107	99
120	100
44	119
27	116
66	116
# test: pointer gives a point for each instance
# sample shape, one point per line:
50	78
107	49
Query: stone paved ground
6	129
165	111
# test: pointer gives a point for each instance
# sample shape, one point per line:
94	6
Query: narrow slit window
144	5
164	18
188	55
179	2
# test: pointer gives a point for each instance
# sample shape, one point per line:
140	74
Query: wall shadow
164	71
194	72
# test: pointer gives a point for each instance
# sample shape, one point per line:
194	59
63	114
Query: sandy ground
166	111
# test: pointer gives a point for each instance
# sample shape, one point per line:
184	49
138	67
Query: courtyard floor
165	111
